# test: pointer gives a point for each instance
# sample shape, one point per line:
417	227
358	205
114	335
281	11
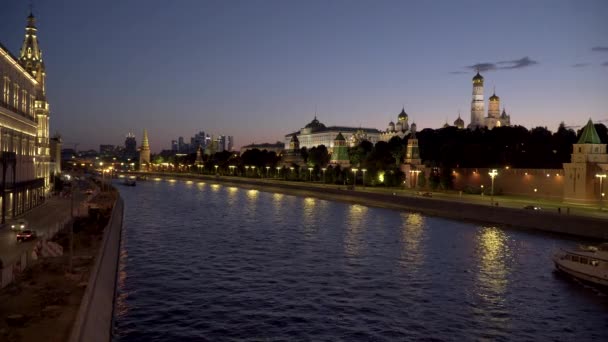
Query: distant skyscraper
174	146
221	143
144	152
230	143
181	145
130	146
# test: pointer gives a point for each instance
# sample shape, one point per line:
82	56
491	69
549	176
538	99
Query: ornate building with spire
316	133
144	152
495	118
587	168
339	156
24	127
400	129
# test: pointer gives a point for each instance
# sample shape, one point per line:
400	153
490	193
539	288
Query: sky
258	70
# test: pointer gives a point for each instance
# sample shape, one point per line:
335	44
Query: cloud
459	72
600	48
502	65
482	67
518	63
579	65
605	64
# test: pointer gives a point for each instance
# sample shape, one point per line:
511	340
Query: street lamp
601	176
310	173
324	169
364	170
492	174
232	169
267	169
355	177
253	170
246	170
278	171
216	166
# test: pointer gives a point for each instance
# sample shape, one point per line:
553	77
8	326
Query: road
54	211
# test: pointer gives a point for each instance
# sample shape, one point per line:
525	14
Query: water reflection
308	216
412	233
355	224
215	187
493	255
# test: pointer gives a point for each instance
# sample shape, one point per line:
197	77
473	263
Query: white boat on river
588	264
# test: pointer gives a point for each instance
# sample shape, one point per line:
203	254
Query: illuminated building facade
144	152
315	133
401	129
24	127
495	118
589	160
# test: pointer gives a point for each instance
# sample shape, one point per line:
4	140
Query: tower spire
30	56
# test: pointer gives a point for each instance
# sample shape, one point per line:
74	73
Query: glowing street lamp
355	177
246	170
278	171
324	169
310	173
492	174
363	170
253	170
216	166
232	169
601	176
267	169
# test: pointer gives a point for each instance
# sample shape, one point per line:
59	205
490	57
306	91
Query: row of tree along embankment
582	226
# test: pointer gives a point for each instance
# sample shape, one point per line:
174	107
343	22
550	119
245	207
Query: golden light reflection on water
308	216
252	194
215	187
189	182
493	253
356	220
412	233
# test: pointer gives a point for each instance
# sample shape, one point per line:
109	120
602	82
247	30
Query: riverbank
561	223
43	301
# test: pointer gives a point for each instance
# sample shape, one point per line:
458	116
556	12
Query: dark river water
204	262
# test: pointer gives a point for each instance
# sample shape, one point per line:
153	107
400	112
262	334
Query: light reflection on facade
356	219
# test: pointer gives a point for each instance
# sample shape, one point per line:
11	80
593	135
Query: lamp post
364	170
253	170
601	176
216	166
492	174
416	172
246	170
231	169
278	171
324	169
310	173
291	168
267	170
355	177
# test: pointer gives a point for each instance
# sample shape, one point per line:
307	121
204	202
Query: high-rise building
130	147
229	143
24	126
221	143
174	146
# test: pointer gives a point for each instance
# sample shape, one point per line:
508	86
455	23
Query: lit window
16	96
24	101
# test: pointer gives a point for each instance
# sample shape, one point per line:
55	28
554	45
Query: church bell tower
477	104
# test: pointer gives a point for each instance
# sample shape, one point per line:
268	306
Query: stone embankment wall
94	320
581	226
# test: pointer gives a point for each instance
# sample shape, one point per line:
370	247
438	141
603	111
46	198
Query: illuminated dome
478	78
315	124
403	115
494	98
459	122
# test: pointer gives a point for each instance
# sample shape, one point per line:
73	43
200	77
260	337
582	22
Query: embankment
587	227
94	320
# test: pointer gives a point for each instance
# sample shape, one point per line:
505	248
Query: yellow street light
492	174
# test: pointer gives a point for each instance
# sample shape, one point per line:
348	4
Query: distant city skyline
258	70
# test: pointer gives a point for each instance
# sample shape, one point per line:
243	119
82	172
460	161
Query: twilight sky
257	69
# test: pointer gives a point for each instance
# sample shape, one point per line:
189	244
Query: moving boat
589	264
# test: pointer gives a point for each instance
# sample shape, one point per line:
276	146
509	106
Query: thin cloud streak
600	48
503	65
605	64
580	65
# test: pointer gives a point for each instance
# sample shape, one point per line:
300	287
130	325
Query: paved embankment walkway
588	226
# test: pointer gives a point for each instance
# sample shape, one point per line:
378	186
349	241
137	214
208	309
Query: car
427	194
18	225
532	207
26	235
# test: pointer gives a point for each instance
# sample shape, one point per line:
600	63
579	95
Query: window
32	103
7	85
24	101
16	96
574	258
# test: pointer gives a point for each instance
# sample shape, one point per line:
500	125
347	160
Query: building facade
144	152
24	127
587	169
315	133
401	129
494	118
130	147
339	156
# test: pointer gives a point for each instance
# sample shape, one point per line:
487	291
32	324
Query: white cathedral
495	118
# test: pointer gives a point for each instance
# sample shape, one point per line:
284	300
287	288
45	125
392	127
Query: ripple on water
203	263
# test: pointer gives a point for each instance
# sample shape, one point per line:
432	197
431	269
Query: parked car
26	235
19	225
532	207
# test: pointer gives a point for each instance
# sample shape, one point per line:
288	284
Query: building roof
315	124
494	97
340	137
589	135
478	77
403	114
339	129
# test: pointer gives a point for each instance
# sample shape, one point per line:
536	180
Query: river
206	262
